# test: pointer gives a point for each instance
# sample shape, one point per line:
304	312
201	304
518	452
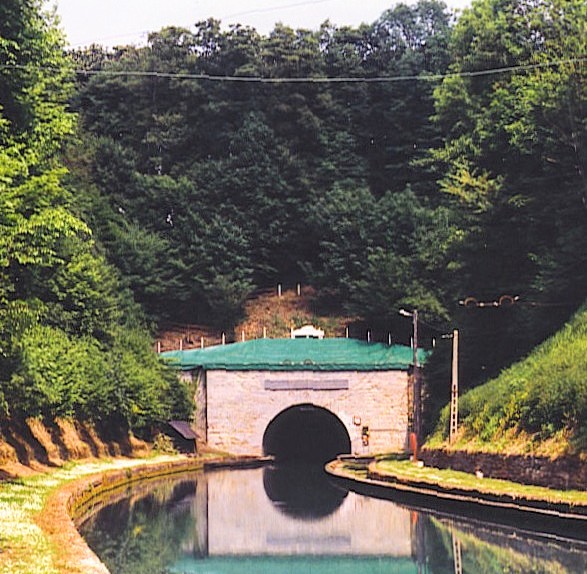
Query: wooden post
299	289
243	335
415	385
158	347
264	332
223	338
454	395
201	342
279	289
181	344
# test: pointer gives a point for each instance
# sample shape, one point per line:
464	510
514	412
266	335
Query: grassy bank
406	471
538	405
29	544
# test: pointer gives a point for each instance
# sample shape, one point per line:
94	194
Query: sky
118	22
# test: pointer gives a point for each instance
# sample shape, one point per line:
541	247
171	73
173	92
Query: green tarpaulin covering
297	355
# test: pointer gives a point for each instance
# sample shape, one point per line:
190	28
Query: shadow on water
301	489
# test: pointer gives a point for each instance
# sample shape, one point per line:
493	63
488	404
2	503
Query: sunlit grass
452	479
538	405
24	547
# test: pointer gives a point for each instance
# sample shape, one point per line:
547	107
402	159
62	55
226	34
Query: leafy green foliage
512	174
58	375
71	342
544	395
242	184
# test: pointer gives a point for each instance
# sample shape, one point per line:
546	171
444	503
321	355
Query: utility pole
416	386
454	395
457	554
417	382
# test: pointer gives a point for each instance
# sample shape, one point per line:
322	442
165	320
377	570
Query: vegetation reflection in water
292	519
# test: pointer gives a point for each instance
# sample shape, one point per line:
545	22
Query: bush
163	444
61	376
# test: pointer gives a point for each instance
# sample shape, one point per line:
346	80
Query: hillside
387	195
538	405
267	313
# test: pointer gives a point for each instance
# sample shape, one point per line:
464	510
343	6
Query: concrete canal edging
71	503
558	518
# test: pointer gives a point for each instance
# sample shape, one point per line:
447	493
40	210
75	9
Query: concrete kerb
70	504
434	498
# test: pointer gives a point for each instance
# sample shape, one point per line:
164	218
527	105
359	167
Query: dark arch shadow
302	490
306	432
302	438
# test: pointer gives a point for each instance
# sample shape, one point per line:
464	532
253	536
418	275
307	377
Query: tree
412	42
345	218
411	248
257	164
514	159
64	317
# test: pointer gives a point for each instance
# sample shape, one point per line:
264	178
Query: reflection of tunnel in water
306	432
302	439
302	490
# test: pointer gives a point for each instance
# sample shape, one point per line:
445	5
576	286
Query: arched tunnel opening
306	433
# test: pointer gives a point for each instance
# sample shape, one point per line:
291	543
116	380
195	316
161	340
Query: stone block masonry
235	407
569	472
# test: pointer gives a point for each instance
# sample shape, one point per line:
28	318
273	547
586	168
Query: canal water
293	519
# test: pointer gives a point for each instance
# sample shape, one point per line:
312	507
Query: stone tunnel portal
306	432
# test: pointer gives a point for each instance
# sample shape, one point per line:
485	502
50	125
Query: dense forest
426	160
73	343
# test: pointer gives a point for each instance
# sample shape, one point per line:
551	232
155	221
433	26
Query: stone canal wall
92	493
568	472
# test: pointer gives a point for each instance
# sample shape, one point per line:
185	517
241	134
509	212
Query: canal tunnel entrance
306	433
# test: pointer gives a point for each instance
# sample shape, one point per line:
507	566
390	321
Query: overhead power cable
274	8
307	80
226	17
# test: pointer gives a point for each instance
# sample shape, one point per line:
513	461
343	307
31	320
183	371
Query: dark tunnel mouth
306	432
